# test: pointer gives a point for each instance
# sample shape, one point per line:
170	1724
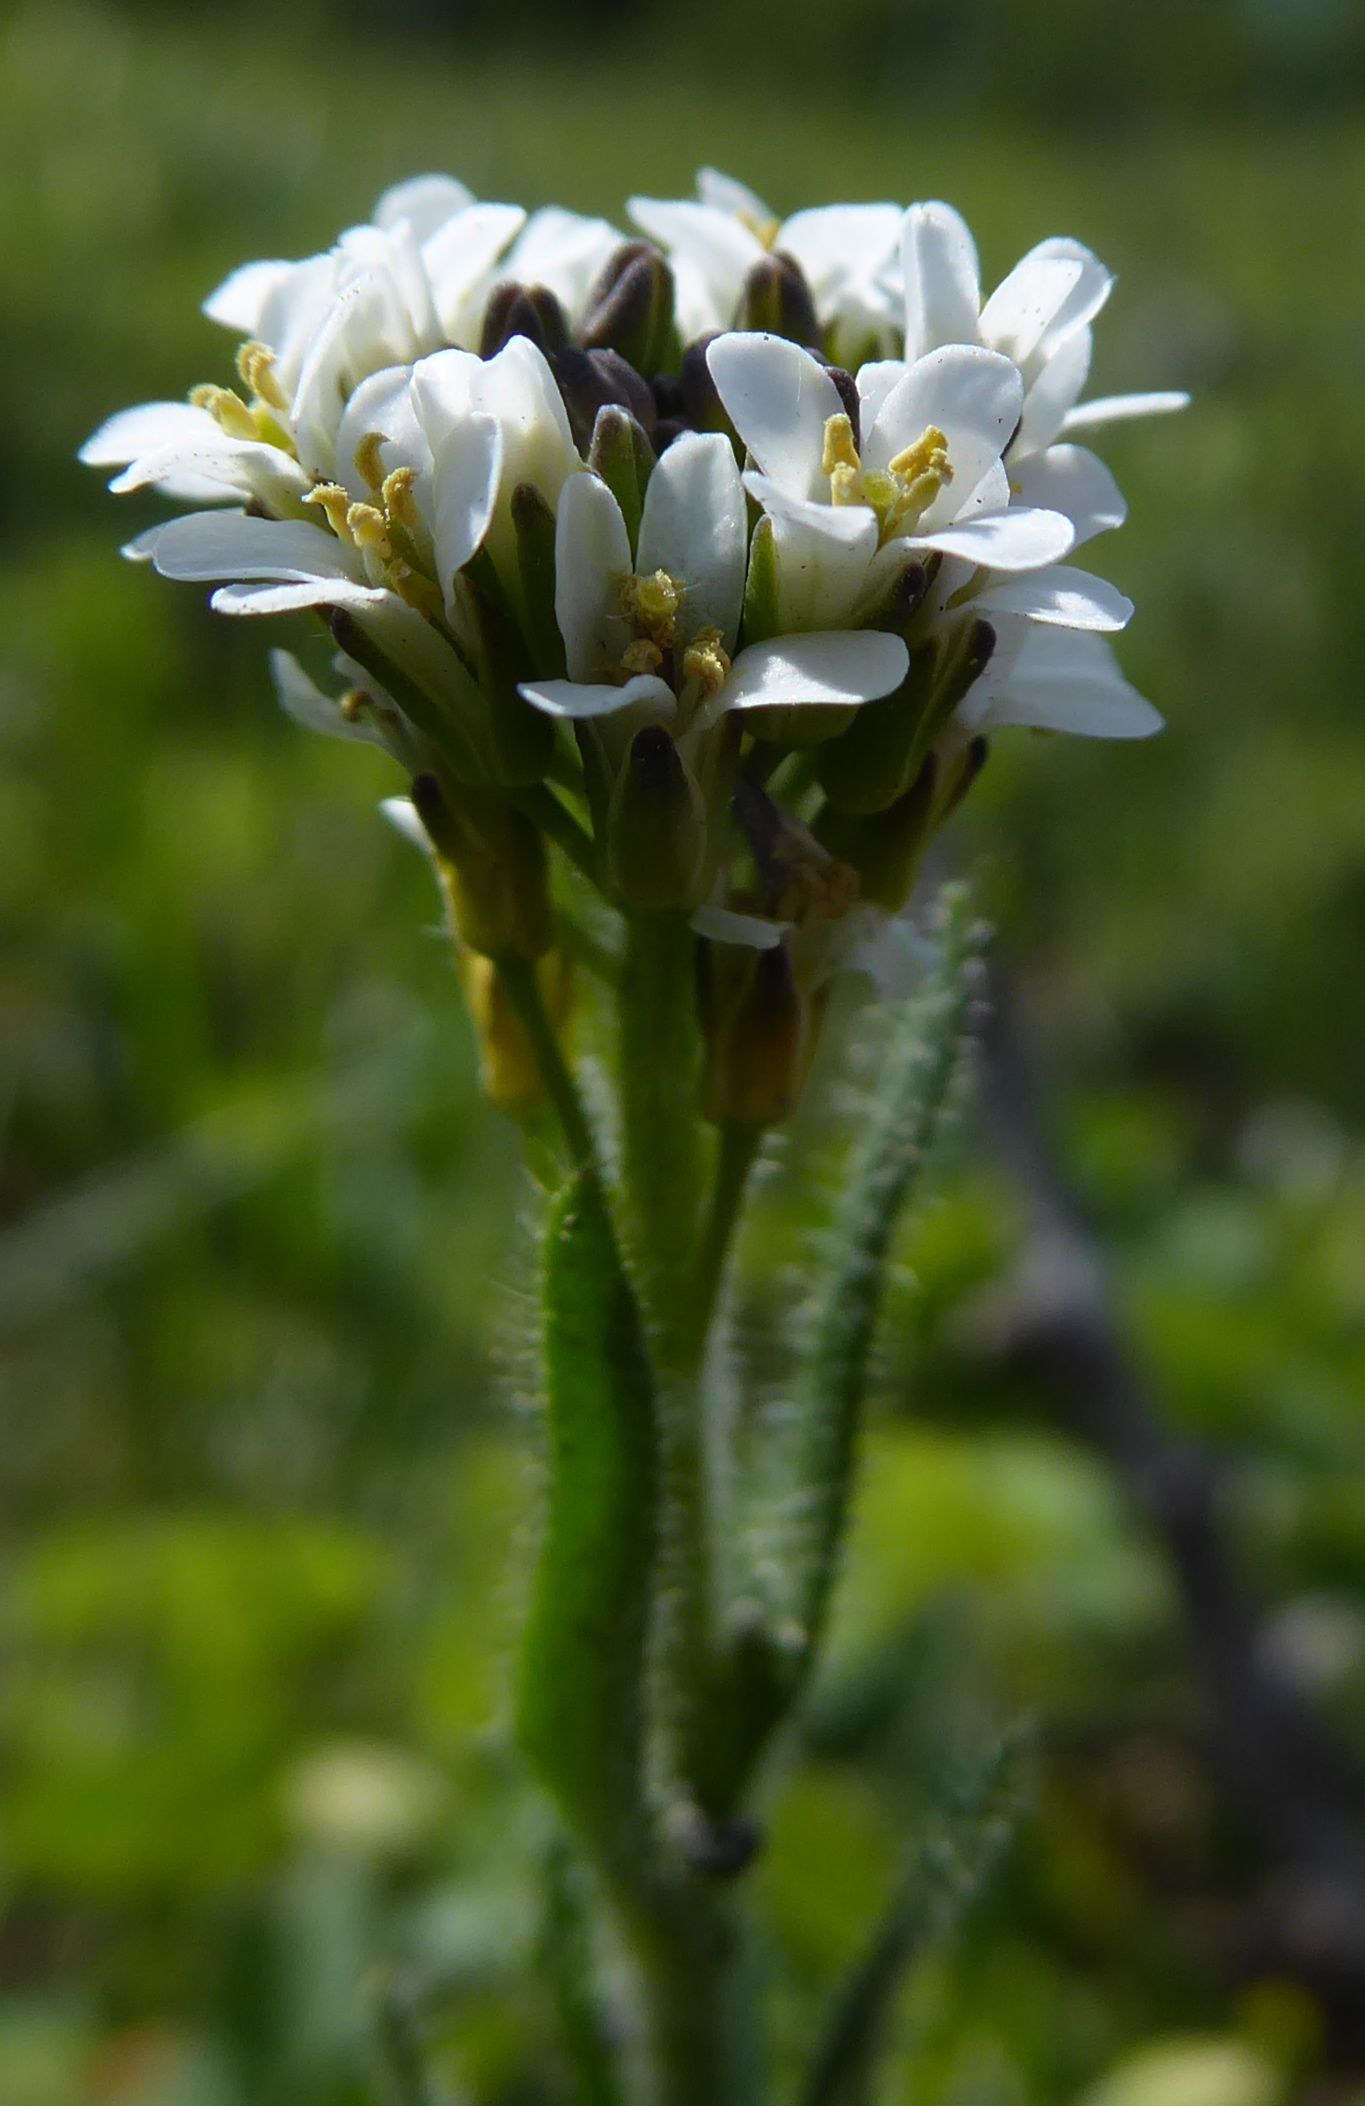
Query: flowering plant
686	577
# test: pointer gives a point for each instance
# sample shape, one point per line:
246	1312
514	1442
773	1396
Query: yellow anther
369	529
397	498
336	503
653	603
367	459
706	661
354	704
642	656
922	470
840	448
227	409
417	590
256	366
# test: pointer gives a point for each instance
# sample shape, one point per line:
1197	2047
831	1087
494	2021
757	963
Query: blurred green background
264	1254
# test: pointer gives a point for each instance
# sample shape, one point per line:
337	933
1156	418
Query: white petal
1056	288
1117	409
290	599
695	527
1020	539
973	396
240	302
224	466
840	248
1071	480
147	428
875	382
563	251
142	547
1060	595
592	562
581	699
720	246
401	814
1071	683
426	202
779	400
518	388
1053	394
384	404
302	699
723	925
942	279
831	669
723	194
460	257
464	478
233	545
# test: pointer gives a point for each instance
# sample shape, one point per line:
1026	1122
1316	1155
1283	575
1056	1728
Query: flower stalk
696	570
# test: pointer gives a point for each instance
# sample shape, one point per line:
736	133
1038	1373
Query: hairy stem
522	988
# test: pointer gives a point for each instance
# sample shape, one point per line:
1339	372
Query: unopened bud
520	737
656	828
630	308
847	389
778	299
522	310
508	1068
623	457
701	401
533	525
590	380
969	767
493	868
886	848
761	1036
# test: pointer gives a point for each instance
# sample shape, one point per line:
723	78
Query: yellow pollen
369	529
397	498
923	469
227	409
653	603
367	460
256	366
336	503
642	656
706	661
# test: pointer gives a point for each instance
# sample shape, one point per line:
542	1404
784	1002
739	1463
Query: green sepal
622	455
760	586
582	1684
533	524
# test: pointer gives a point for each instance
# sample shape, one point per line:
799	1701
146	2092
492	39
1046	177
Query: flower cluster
712	556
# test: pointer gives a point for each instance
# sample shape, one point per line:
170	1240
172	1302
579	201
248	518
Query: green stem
555	819
522	988
737	1147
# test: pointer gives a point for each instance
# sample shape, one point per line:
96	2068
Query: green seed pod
656	828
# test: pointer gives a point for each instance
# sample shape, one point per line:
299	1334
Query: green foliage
581	1711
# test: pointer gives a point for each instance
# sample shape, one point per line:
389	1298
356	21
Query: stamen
397	499
840	448
367	459
227	409
336	503
369	529
256	366
706	661
642	656
354	704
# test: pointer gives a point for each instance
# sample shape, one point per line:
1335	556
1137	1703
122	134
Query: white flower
653	631
714	241
925	475
1053	678
1039	316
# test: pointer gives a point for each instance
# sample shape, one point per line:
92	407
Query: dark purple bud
630	309
522	310
778	299
590	380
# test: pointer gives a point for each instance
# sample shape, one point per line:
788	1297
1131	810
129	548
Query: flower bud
623	457
589	380
508	1068
520	738
701	403
522	310
493	869
656	828
879	756
630	308
885	848
533	525
760	1031
778	299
